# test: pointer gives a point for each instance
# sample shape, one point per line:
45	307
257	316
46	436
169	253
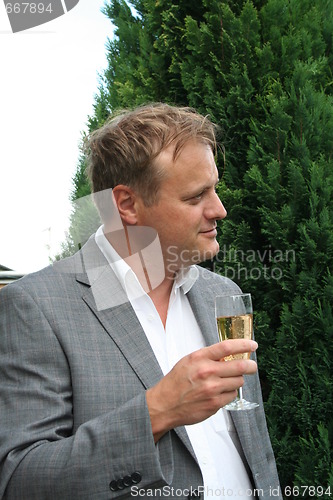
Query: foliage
262	70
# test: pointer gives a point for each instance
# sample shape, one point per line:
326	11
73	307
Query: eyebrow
195	193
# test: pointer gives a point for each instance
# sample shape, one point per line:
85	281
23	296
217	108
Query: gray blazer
74	367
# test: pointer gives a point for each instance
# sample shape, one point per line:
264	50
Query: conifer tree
262	70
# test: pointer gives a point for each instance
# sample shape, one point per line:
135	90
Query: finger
231	384
236	367
229	347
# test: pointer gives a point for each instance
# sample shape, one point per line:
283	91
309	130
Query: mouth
210	232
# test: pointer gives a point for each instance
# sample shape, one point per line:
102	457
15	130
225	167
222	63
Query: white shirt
213	440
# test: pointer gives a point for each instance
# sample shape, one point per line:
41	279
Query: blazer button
127	480
136	477
113	485
120	484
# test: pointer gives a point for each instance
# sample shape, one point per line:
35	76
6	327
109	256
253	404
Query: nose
223	212
216	209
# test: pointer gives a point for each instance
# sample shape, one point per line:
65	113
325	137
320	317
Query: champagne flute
234	317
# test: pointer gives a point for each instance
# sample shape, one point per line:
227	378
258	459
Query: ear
125	201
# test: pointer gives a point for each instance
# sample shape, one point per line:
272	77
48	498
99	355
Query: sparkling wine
235	327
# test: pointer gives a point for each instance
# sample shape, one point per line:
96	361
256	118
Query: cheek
195	219
180	224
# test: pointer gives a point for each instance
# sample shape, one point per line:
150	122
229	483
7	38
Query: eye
198	197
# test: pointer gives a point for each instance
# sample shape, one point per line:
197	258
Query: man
112	379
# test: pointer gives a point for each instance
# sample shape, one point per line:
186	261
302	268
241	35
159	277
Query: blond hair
124	149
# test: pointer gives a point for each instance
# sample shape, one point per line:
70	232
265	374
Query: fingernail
254	345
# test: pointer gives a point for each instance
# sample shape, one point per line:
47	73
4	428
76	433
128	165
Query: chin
211	250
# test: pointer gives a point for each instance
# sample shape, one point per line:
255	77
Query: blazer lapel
108	301
203	308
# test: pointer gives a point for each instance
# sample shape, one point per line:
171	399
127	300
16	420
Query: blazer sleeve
40	455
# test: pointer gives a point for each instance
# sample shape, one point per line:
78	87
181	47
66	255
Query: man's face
188	207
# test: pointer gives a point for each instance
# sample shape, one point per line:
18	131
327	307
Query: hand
198	385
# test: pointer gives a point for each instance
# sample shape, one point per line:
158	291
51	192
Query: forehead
194	164
192	152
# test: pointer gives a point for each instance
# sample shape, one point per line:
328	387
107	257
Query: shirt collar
185	279
118	265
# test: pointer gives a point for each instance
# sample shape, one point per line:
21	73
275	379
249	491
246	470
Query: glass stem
240	393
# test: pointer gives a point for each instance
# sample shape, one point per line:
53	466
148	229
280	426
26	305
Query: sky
49	76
